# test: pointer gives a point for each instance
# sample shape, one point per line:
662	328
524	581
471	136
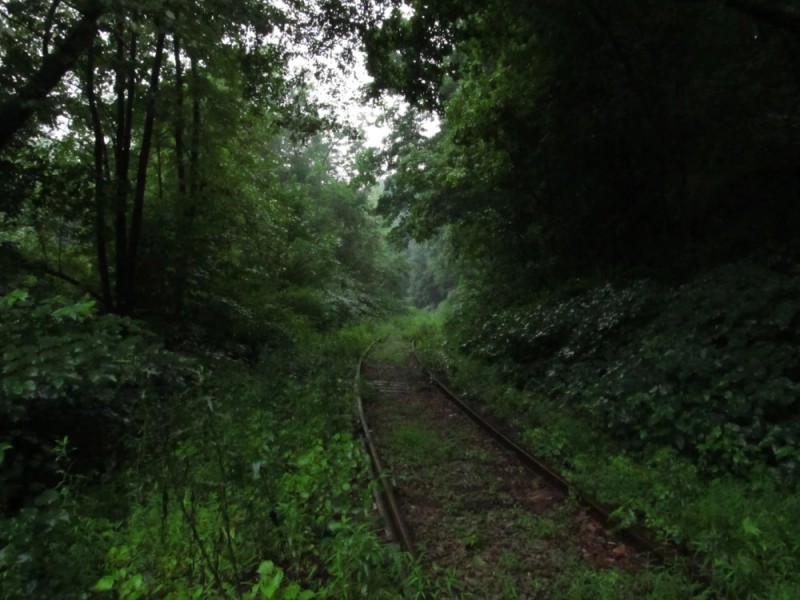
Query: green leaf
47	497
270	578
292	591
12	298
750	527
104	584
74	312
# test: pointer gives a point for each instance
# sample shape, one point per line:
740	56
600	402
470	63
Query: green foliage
270	578
254	485
51	547
431	274
57	351
72	382
285	247
612	584
580	140
68	371
738	526
707	367
230	468
234	235
417	445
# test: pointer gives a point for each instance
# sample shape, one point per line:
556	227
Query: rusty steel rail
385	499
637	537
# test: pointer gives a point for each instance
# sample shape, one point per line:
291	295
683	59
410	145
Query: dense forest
596	239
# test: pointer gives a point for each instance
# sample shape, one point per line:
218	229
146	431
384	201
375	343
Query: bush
708	368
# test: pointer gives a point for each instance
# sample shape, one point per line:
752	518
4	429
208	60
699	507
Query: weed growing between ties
417	444
392	350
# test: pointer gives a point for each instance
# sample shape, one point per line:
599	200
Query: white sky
345	95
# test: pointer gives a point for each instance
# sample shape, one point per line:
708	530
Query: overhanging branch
15	111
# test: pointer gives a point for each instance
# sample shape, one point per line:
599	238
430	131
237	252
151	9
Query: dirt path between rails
478	518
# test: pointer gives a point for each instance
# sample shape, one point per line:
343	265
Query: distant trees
581	136
189	146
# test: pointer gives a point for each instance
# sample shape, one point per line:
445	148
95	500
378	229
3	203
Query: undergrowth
228	480
676	405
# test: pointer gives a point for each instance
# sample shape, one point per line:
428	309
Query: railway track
460	492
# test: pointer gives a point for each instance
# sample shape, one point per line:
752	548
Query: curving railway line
458	491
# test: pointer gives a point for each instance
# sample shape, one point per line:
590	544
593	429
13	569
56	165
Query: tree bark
188	201
180	150
141	172
194	149
100	163
180	167
123	88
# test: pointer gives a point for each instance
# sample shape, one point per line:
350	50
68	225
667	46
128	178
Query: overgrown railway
475	505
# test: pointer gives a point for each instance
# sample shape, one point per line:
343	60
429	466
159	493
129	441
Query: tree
591	135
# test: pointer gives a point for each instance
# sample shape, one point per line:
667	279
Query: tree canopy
599	135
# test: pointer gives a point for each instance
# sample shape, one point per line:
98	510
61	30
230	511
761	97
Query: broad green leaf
104	584
750	528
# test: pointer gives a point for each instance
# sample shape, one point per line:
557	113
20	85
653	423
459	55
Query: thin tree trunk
159	170
194	150
189	201
100	162
180	150
122	151
180	167
141	173
126	96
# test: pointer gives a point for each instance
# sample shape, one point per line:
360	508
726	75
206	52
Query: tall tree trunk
180	150
194	149
188	207
15	111
100	174
125	87
180	167
159	170
141	172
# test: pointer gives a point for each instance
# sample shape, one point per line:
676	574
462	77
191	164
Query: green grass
610	584
540	527
418	445
392	350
